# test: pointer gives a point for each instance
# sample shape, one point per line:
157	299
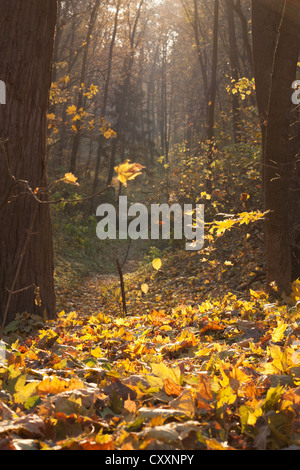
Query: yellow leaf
278	333
281	360
109	133
156	263
128	171
23	390
226	396
103	438
164	372
213	444
71	110
145	288
54	385
71	179
97	352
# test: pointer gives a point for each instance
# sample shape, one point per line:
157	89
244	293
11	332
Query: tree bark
276	50
26	254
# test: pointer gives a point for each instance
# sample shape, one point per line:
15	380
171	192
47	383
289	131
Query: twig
16	182
127	252
122	287
58	201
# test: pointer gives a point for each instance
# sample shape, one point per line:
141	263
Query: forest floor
202	360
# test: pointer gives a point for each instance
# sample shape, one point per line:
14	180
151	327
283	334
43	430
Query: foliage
223	374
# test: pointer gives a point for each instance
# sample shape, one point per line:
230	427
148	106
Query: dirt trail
95	293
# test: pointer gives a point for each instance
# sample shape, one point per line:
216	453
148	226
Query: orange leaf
171	388
204	390
54	385
130	405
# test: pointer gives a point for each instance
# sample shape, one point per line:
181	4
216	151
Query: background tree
276	41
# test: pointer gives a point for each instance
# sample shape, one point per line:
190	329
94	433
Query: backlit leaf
156	263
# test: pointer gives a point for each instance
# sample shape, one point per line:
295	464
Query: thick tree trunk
26	255
276	49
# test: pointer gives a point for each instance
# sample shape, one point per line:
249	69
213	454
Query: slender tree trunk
77	135
276	42
234	65
164	105
199	50
245	33
123	99
213	93
26	255
101	138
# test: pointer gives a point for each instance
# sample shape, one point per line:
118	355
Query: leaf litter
183	370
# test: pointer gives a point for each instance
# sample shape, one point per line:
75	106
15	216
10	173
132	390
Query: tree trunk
276	41
77	136
234	66
122	103
244	25
212	96
26	254
101	138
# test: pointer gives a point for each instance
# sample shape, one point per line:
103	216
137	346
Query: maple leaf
55	385
71	179
128	171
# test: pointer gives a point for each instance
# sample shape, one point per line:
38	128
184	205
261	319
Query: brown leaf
120	389
185	402
28	426
204	389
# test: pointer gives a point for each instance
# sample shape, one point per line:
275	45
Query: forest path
98	292
184	279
